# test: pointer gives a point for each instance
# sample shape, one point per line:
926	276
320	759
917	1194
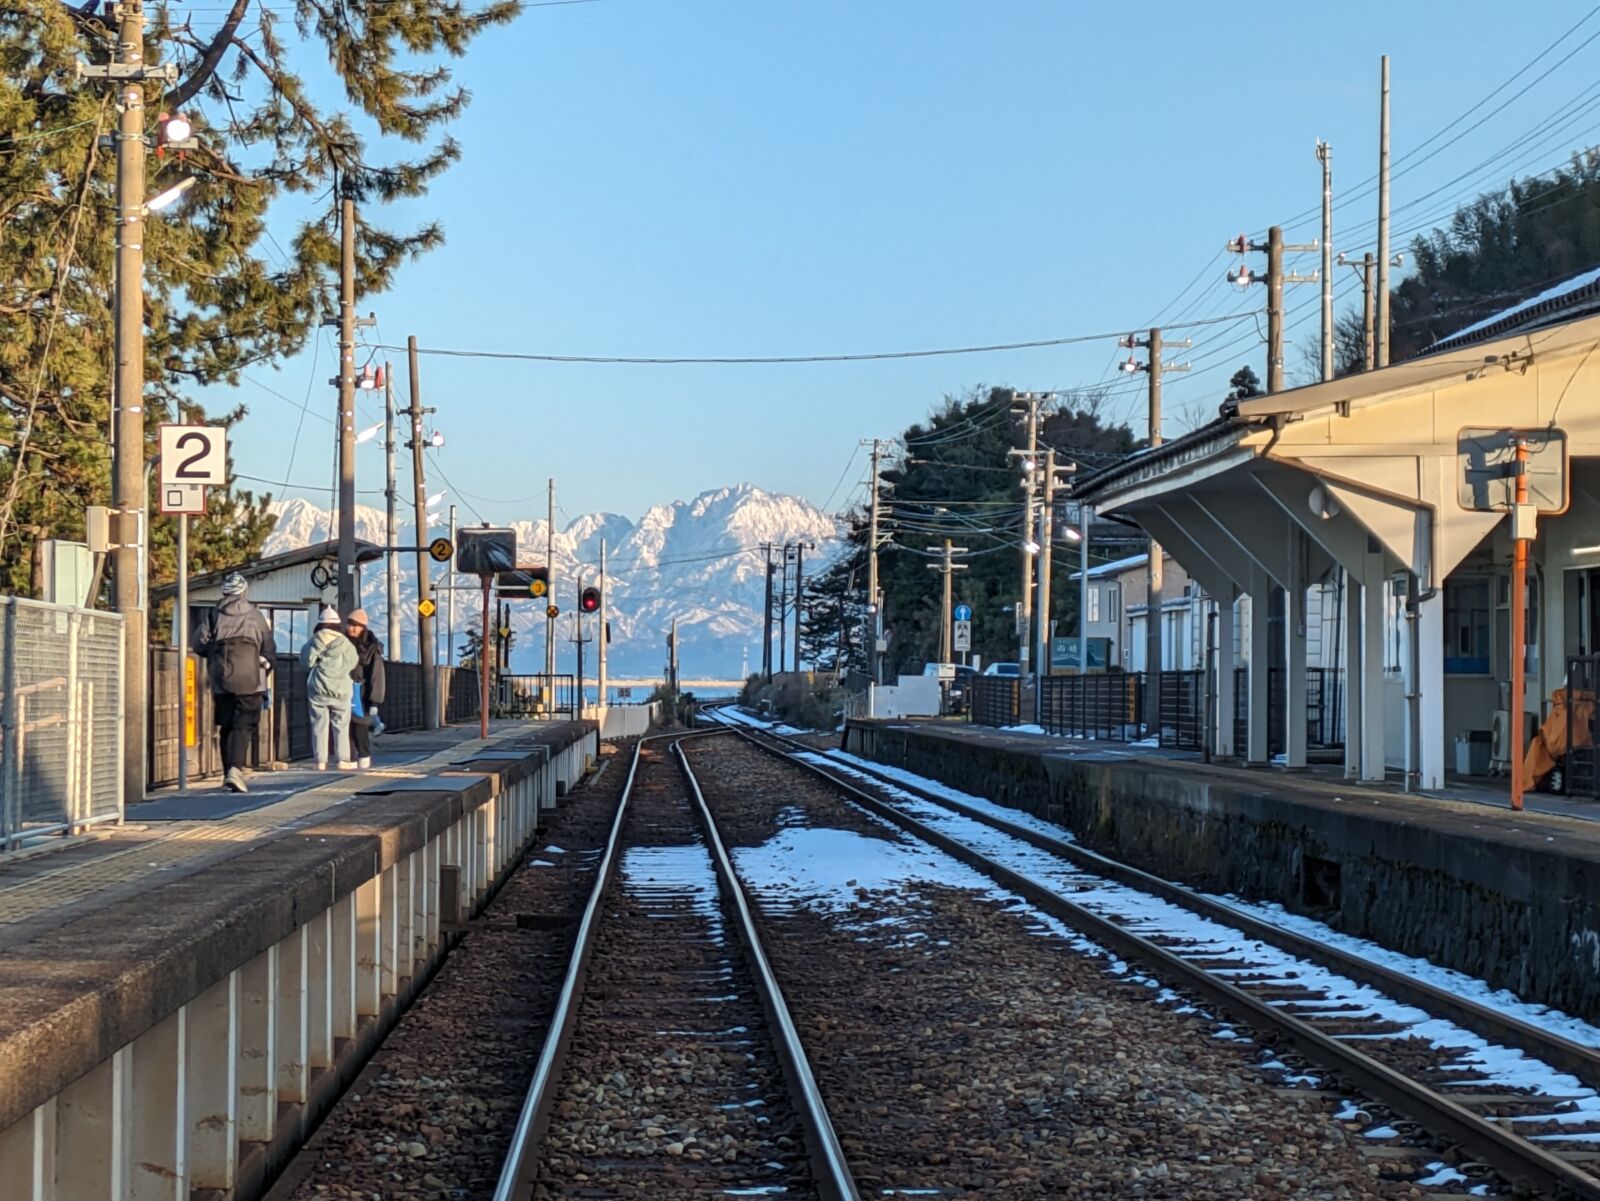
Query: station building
1371	512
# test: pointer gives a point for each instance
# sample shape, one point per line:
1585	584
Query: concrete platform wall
1509	901
199	1070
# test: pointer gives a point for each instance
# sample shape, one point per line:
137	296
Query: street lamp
169	197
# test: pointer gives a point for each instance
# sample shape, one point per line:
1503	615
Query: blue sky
705	177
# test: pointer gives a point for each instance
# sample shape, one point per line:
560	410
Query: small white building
288	588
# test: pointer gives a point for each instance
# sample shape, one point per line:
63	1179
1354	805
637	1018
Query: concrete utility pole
1369	305
603	634
430	683
1047	535
348	599
450	599
1085	518
766	622
799	579
129	497
1275	248
946	568
1030	461
874	605
1155	567
672	662
550	565
1155	368
1325	157
783	608
1383	219
391	570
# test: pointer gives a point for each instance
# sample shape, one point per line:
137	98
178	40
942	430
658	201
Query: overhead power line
765	360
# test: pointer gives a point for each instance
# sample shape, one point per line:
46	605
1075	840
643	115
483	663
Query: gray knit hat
233	584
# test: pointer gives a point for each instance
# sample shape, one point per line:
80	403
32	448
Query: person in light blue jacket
329	658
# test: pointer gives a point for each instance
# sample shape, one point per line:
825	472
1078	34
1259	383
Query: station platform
1513	898
183	996
171	834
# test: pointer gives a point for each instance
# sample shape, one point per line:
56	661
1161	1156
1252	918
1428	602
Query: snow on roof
1506	319
1115	567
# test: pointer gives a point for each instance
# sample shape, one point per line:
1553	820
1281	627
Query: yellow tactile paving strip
52	890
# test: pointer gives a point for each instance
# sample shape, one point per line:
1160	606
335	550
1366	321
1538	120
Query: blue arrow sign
963	613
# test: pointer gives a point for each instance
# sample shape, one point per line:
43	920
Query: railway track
672	1067
1435	1058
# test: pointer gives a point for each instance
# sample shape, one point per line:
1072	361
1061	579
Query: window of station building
1094	602
1502	625
1466	626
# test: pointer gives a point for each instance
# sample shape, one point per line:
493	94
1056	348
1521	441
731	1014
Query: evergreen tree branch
210	58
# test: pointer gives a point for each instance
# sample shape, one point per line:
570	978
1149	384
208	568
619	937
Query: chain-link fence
60	718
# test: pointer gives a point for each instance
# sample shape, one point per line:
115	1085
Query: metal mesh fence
61	751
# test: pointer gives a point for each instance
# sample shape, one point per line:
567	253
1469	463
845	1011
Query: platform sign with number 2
194	455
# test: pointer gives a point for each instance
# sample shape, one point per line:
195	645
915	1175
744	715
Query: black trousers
237	719
361	737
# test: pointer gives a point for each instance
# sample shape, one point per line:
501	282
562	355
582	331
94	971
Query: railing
1109	707
1181	720
1582	775
1324	709
996	700
60	713
535	695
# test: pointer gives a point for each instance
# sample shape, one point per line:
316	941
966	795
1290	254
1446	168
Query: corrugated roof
1115	567
1569	298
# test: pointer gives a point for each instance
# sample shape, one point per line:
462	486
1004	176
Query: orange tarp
1549	745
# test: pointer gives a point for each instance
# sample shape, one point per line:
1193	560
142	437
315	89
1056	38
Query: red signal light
589	600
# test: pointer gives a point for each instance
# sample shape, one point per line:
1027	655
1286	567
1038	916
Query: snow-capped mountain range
698	560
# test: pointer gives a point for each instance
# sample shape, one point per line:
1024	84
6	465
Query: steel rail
1521	1162
830	1169
517	1173
1577	1058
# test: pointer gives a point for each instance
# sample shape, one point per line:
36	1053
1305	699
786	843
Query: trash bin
1472	752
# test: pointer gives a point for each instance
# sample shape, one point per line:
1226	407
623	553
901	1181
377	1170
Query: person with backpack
329	659
369	686
237	644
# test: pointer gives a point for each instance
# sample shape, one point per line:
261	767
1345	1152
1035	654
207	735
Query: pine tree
1244	384
957	478
832	619
221	293
471	644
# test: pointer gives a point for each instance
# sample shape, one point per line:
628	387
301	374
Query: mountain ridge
699	559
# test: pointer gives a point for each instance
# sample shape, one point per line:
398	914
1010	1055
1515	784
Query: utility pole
783	608
348	599
603	634
430	704
1275	279
766	626
1029	455
799	576
946	568
1364	269
1155	368
1369	305
550	566
129	492
391	569
1383	220
1047	535
1325	157
672	663
1085	520
450	599
874	607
